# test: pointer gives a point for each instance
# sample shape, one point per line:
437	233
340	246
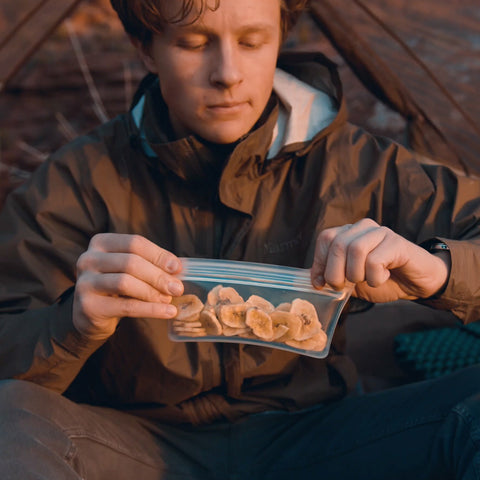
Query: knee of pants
32	440
18	397
29	418
16	394
468	410
471	405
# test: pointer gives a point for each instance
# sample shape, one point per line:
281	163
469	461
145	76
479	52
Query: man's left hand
383	265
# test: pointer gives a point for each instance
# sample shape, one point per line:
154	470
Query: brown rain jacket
189	201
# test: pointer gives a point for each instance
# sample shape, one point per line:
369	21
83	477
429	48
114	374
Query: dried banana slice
232	332
228	295
260	323
183	323
212	296
188	328
198	333
284	307
220	296
292	321
233	315
316	343
279	333
209	320
308	315
188	307
261	303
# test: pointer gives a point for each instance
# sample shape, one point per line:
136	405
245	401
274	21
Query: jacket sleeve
418	198
435	201
462	294
44	226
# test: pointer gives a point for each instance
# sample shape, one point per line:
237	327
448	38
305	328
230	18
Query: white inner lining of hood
304	111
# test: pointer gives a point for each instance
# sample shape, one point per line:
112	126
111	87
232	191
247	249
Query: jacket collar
191	158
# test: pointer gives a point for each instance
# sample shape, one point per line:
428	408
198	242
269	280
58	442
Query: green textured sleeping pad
433	353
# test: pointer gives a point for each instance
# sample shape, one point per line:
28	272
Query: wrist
441	251
91	333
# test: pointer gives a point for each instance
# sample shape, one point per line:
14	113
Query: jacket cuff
67	336
462	293
69	348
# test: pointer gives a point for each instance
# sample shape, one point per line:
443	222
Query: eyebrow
198	28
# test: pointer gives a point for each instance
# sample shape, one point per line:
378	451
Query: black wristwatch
434	245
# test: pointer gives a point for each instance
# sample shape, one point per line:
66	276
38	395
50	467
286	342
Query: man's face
216	75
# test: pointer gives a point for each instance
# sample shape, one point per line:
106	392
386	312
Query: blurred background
65	71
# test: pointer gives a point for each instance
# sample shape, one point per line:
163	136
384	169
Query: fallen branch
98	106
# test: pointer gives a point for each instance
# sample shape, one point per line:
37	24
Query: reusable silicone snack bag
258	304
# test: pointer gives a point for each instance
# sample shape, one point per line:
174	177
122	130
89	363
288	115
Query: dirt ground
48	101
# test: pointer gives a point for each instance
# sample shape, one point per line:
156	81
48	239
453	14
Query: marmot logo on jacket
272	248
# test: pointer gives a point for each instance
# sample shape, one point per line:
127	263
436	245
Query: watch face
435	245
438	247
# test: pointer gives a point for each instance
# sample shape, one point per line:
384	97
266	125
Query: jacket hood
308	102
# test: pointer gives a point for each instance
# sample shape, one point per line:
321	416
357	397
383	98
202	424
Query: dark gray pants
426	430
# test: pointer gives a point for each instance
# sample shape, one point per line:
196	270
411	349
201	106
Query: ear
144	54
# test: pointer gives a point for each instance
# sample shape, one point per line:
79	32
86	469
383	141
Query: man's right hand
119	276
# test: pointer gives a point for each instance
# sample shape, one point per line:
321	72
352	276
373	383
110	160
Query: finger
120	284
389	254
340	255
130	307
133	265
322	246
118	307
139	245
359	250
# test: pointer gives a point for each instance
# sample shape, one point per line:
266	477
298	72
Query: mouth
227	108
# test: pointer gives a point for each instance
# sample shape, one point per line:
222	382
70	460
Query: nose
226	68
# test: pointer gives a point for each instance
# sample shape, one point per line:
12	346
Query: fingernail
175	288
170	310
319	282
172	265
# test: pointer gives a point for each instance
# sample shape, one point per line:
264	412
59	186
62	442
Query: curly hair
142	18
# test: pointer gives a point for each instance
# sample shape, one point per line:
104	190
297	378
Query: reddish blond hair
142	18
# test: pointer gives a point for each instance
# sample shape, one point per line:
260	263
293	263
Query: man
227	153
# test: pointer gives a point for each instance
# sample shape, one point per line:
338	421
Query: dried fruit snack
255	318
260	304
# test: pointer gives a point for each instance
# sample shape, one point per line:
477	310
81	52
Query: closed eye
250	45
193	42
253	40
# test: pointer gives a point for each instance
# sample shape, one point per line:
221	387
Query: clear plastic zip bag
255	303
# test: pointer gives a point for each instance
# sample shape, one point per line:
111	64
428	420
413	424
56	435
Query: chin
222	140
223	136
